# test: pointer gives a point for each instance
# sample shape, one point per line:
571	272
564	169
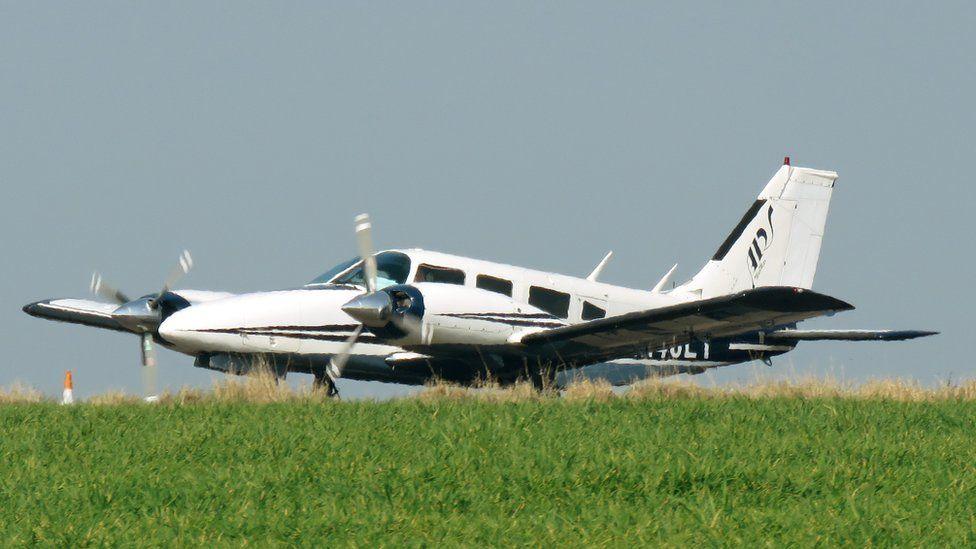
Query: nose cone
373	309
173	328
194	328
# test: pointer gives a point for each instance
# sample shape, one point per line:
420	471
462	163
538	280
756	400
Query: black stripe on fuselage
300	332
363	338
503	315
501	318
294	328
345	330
513	322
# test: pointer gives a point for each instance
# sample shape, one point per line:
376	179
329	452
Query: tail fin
777	242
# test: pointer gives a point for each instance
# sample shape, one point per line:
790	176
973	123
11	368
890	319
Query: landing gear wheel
323	380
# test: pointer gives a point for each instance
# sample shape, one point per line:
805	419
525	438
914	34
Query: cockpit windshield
391	268
325	277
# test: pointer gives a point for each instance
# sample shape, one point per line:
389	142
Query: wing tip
793	299
34	308
914	334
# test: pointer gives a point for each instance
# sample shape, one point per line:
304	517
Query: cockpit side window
443	275
391	268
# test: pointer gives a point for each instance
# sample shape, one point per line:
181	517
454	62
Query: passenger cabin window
550	301
494	284
391	268
443	275
592	312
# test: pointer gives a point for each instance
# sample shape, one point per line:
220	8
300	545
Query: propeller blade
148	367
338	360
148	353
101	288
364	242
182	267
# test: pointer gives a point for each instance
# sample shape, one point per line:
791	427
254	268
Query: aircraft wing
76	311
632	334
846	335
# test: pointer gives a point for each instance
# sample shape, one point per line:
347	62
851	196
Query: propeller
377	308
143	316
389	312
364	245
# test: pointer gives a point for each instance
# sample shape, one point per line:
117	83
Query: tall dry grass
20	394
486	391
599	391
261	386
808	388
678	388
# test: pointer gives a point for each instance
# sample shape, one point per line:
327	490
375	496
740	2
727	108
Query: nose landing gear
761	355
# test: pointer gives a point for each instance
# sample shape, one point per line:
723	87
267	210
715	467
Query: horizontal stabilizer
847	335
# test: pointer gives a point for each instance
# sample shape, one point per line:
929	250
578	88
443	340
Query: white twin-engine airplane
410	316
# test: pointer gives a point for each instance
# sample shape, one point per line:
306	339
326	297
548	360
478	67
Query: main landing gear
543	379
324	381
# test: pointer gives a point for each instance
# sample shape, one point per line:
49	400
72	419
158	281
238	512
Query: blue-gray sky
539	134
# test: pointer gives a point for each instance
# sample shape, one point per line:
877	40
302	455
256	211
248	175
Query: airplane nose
182	327
373	309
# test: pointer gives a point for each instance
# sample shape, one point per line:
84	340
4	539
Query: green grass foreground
456	472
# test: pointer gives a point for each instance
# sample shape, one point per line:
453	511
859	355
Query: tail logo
760	243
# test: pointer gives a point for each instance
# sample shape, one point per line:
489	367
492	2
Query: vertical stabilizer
777	242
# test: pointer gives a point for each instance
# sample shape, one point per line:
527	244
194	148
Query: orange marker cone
68	396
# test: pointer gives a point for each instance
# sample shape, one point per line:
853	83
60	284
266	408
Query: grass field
657	467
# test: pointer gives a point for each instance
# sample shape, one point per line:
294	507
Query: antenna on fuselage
664	280
599	268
